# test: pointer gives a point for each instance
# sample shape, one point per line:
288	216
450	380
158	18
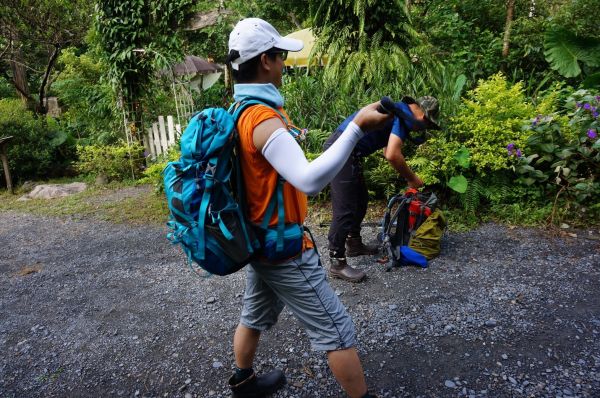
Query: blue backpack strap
208	184
269	211
276	200
280	214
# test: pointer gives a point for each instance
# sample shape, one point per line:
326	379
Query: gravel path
89	308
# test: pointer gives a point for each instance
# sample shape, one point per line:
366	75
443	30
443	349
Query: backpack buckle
210	170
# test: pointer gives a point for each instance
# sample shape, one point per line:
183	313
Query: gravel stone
70	328
450	384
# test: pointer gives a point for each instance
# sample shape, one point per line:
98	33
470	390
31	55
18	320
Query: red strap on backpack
416	209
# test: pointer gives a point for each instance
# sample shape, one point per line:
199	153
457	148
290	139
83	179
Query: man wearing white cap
268	152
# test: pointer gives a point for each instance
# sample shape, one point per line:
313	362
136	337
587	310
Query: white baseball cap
254	36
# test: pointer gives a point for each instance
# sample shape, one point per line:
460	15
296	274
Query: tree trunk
20	76
510	8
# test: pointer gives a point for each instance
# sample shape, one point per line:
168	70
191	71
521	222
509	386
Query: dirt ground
89	308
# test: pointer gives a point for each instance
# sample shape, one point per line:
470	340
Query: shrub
488	119
40	148
116	162
564	157
89	106
153	174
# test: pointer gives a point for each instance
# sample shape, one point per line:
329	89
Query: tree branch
14	61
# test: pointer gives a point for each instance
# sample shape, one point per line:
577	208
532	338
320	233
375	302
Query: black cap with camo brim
430	106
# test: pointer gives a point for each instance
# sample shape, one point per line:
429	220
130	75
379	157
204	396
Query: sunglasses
282	53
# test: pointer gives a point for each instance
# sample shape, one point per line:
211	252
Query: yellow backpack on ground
427	238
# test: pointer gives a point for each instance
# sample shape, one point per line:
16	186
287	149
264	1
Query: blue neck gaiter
264	92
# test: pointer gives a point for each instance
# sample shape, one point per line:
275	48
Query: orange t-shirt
260	178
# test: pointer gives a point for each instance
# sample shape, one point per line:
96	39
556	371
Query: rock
50	191
28	186
211	300
504	356
217	364
490	323
450	384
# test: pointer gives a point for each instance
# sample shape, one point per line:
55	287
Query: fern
472	197
493	189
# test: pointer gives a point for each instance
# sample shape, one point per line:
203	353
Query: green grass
142	206
131	203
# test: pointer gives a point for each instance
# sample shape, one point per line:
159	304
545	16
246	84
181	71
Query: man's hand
415	182
369	119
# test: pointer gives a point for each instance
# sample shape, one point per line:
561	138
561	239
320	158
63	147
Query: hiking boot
257	386
355	247
340	269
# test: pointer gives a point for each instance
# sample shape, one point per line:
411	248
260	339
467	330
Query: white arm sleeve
286	156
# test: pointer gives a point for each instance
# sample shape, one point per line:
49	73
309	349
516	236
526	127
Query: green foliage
563	163
489	119
372	45
38	30
314	140
153	174
6	89
147	26
463	34
88	103
565	50
528	213
381	178
116	162
39	148
313	103
471	158
211	41
579	16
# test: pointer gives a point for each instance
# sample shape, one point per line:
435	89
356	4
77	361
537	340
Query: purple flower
592	134
598	98
578	104
587	107
510	146
595	114
519	154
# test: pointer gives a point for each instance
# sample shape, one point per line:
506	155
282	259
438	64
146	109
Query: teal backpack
205	197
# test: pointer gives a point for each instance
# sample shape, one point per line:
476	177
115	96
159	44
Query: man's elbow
393	157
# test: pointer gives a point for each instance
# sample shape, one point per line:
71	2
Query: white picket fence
161	136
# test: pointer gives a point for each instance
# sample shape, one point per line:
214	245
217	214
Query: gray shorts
301	285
